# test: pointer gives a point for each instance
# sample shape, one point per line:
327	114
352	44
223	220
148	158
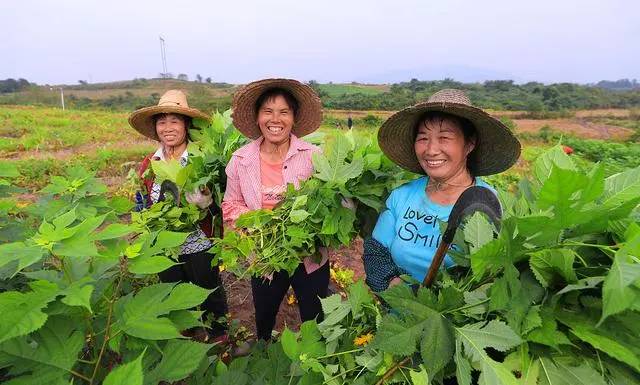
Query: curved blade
170	187
475	198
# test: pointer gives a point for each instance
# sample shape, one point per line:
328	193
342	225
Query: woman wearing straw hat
169	123
453	143
275	113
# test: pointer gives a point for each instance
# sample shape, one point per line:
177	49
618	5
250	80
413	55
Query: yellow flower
292	299
223	267
22	205
363	339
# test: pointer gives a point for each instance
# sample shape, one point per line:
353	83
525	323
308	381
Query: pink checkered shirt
243	182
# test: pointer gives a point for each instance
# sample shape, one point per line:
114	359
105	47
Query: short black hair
272	93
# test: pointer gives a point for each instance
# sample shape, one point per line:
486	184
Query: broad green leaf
8	170
463	367
168	240
51	351
621	187
548	263
298	216
22	312
129	373
419	377
559	192
495	373
478	231
150	265
141	316
290	344
545	163
397	336
495	334
605	344
402	297
334	309
78	294
438	343
358	296
548	333
583	284
553	373
299	202
114	230
179	359
618	293
25	254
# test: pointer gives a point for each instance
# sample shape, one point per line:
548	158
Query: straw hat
171	102
496	147
307	120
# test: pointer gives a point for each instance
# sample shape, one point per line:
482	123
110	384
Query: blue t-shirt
410	229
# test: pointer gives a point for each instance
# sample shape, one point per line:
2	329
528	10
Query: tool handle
436	262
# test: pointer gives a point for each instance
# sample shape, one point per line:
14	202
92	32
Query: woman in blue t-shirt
453	143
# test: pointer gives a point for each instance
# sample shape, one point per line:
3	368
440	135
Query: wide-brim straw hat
496	148
308	117
171	102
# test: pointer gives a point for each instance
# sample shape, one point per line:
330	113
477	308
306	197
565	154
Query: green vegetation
335	90
552	298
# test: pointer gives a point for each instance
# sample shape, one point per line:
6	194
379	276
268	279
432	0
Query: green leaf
150	265
22	312
358	296
621	187
114	230
618	293
495	334
607	345
463	367
335	310
559	192
548	263
419	377
545	163
50	352
548	333
25	255
398	336
438	343
168	240
583	284
298	216
290	344
179	359
8	170
78	294
129	373
554	373
141	316
478	231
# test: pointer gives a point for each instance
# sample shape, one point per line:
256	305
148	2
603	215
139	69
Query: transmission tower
163	54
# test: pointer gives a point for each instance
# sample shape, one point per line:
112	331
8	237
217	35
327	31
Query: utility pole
61	98
163	55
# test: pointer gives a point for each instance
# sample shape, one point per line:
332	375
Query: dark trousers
196	268
267	296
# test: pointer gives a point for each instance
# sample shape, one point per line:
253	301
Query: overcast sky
239	41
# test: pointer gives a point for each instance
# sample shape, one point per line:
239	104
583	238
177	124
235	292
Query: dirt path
66	153
240	299
579	127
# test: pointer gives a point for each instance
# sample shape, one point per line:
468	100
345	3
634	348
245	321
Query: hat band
169	103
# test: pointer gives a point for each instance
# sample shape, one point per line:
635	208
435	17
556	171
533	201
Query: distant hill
619	85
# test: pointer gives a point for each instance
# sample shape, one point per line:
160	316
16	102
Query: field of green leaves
552	298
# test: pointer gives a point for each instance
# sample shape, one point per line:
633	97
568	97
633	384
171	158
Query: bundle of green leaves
553	299
318	214
212	144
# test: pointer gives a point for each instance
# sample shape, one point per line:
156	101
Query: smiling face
171	129
275	119
441	147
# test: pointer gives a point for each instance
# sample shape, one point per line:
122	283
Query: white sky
327	40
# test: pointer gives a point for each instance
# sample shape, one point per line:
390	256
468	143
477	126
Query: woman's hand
395	281
199	198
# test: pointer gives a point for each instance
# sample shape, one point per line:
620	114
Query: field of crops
550	299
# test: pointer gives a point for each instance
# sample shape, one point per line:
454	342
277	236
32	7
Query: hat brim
308	117
496	148
142	120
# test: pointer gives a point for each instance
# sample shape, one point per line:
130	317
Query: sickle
473	199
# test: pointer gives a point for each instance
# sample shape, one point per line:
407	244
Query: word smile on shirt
409	231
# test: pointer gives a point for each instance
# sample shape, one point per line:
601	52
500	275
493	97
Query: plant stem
465	307
105	340
80	375
340	353
392	370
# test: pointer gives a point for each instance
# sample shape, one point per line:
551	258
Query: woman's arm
379	266
233	204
